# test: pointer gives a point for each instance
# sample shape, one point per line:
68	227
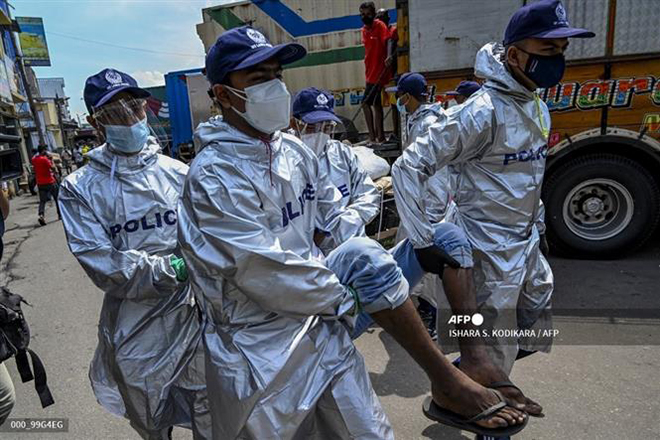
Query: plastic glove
433	260
179	266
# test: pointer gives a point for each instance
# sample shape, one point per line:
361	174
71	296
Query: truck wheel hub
598	209
593	206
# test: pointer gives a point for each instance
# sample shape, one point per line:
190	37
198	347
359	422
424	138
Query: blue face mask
400	106
127	139
545	71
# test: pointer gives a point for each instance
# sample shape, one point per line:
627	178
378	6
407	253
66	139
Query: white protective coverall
358	192
280	362
438	191
119	215
438	198
497	144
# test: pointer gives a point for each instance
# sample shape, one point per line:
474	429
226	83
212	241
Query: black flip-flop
509	384
441	415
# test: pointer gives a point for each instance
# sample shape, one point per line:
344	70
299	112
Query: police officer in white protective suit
279	356
412	100
315	122
497	142
454	295
119	215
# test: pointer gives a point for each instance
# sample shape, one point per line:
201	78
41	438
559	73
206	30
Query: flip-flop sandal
509	384
441	415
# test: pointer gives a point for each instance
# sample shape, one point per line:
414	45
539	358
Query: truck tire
600	206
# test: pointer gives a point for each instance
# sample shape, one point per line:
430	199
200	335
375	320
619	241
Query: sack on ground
374	165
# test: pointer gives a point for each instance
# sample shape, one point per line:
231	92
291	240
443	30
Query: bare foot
467	398
485	372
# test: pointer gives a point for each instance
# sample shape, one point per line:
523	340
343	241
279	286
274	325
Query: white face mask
267	105
315	141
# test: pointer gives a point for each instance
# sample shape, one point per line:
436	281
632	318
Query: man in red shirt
384	16
374	37
44	171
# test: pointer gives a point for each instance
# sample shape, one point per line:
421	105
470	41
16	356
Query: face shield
127	123
316	136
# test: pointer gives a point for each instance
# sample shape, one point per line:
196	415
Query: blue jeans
381	278
365	266
448	237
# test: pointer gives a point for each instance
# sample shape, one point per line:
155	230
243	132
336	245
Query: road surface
608	390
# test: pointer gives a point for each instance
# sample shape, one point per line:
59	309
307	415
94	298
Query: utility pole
21	70
60	116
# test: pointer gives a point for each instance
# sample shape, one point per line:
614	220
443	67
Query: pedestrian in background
391	64
7	393
44	171
66	161
78	158
375	36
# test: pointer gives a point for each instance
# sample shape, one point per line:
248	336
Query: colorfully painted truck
603	158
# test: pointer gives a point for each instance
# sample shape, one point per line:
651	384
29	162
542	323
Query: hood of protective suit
489	66
421	118
215	130
205	132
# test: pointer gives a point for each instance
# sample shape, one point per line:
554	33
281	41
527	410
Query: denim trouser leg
448	236
379	277
45	193
365	266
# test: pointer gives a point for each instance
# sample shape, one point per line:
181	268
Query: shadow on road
402	376
443	432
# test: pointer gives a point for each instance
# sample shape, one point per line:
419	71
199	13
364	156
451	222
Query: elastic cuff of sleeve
358	306
424	245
